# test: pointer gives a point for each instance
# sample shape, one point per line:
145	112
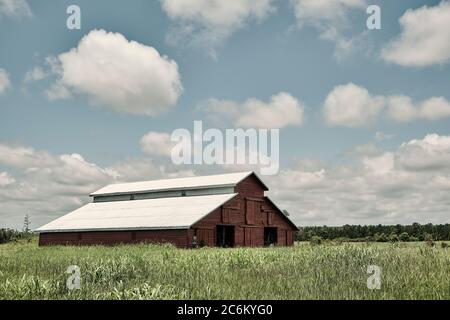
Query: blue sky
259	51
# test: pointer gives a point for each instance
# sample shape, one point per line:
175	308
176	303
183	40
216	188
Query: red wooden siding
177	237
249	212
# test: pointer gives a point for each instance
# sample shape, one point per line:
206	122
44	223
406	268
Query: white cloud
351	105
47	186
58	91
15	8
124	76
35	74
429	154
330	18
24	157
207	23
424	39
282	110
157	143
411	183
5	83
402	109
6	179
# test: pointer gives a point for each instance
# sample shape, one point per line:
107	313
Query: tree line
379	233
8	235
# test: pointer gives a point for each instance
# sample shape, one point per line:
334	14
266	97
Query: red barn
228	210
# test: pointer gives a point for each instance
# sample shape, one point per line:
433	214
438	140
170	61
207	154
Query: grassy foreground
409	271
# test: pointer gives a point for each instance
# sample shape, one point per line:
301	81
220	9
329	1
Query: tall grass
409	271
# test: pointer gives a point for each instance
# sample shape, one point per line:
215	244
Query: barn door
205	237
289	240
248	235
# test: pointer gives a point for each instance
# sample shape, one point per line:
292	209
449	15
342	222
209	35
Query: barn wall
249	212
177	237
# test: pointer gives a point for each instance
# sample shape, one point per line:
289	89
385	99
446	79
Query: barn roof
211	181
151	214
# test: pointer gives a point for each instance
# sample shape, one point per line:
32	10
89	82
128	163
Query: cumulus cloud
21	157
157	143
411	183
429	154
5	83
330	18
5	179
403	109
424	39
351	105
281	111
207	23
35	74
113	72
47	185
15	8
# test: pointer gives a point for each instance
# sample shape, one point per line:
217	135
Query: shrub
404	236
428	238
393	237
380	237
315	240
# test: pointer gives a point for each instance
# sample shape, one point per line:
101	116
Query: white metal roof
151	214
220	180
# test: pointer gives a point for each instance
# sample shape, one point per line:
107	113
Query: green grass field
409	271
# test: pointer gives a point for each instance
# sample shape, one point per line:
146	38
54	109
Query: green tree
393	237
404	236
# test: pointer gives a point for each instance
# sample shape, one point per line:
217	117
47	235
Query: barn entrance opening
270	236
225	236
